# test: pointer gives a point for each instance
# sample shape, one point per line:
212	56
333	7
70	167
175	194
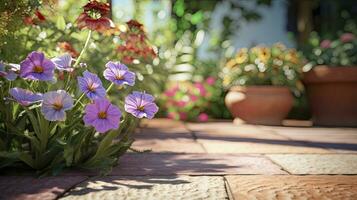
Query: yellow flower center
119	77
141	108
57	106
102	115
38	69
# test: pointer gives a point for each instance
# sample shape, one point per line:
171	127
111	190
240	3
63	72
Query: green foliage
338	52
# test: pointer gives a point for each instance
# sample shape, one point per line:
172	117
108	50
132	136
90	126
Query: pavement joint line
72	187
195	138
228	189
281	167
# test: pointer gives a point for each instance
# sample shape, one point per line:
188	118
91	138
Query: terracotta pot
267	105
332	94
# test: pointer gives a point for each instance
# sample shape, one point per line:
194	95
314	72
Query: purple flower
25	97
63	62
91	85
54	105
325	44
37	67
102	115
119	74
10	75
140	105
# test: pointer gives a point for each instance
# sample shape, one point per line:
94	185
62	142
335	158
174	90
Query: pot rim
261	89
325	73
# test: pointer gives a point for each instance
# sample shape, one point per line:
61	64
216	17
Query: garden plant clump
57	112
341	51
260	65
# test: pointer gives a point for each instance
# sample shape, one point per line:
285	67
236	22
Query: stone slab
292	187
342	140
161	123
178	140
30	188
227	138
149	188
134	164
317	163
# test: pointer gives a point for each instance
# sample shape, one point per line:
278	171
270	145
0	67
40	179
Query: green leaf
61	23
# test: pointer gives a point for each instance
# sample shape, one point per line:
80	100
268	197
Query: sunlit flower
9	75
201	88
54	105
91	85
102	115
119	74
292	56
242	56
94	17
140	105
63	62
25	97
203	117
211	80
37	67
264	54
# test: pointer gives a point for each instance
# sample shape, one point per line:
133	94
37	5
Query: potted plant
331	80
260	81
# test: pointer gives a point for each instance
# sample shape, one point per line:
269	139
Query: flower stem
78	100
85	47
110	87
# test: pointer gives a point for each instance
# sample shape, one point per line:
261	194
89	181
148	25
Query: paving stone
277	187
226	138
317	163
161	123
342	140
30	188
150	188
178	140
194	164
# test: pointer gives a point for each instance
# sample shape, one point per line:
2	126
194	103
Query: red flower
40	15
134	24
94	17
67	47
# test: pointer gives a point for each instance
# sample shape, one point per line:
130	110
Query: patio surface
214	160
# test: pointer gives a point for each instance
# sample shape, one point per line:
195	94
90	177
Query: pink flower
347	37
171	115
193	97
203	117
181	103
210	80
170	93
183	116
201	89
325	44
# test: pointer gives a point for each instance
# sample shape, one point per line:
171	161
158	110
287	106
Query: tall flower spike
94	17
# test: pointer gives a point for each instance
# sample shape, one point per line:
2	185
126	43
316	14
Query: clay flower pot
267	105
332	94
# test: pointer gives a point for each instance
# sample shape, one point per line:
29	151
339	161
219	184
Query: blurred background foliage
178	31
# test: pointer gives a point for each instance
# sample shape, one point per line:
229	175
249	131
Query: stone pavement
214	160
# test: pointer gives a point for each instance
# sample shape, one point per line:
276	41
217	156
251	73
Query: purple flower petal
141	105
102	115
25	97
37	67
63	62
119	74
54	105
91	85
